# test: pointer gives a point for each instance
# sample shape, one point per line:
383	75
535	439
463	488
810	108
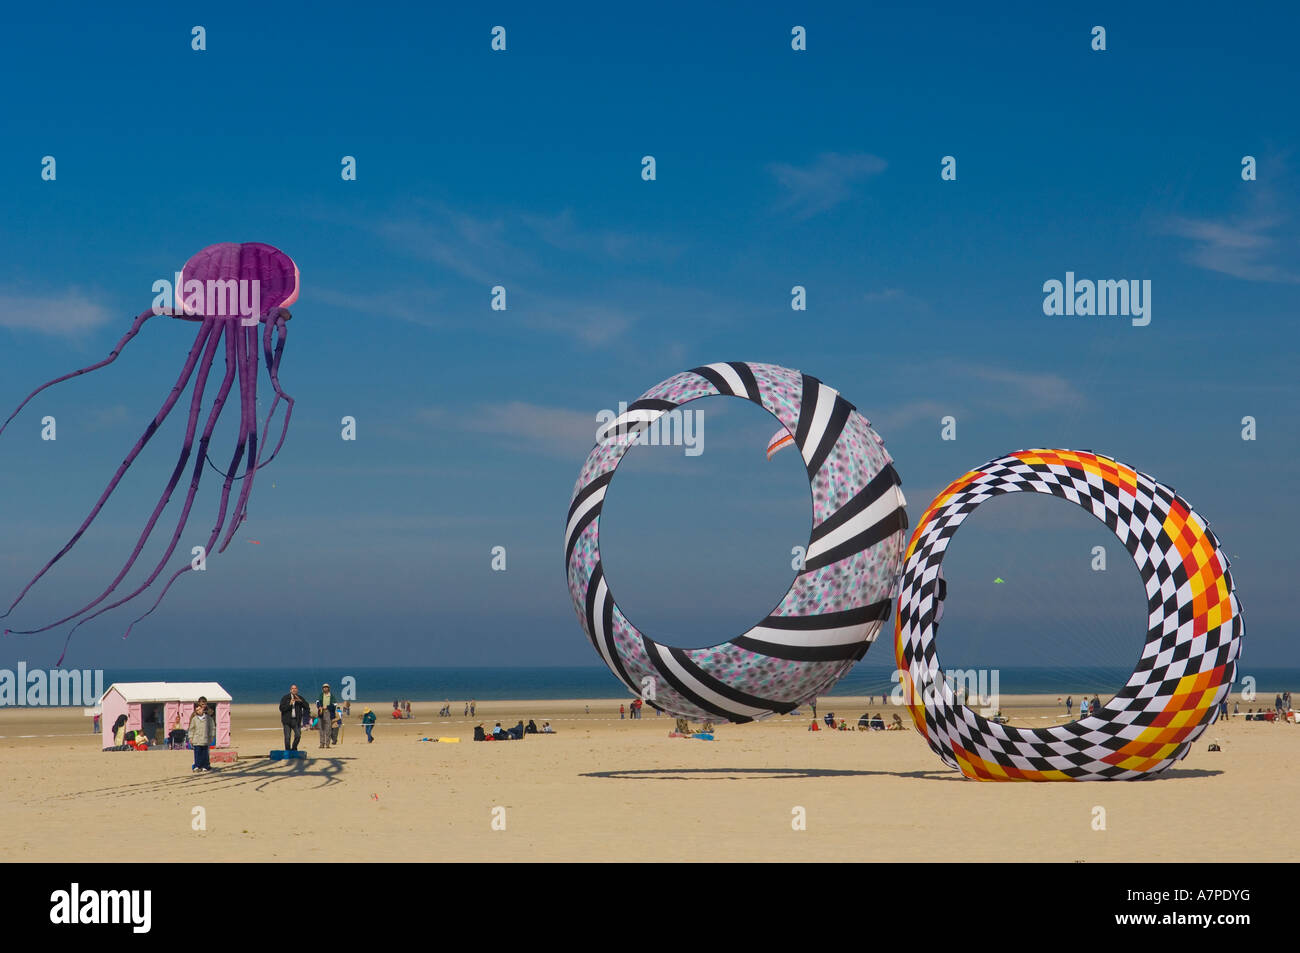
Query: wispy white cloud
900	417
566	434
473	248
980	389
65	314
1259	244
552	431
525	253
826	182
895	299
1032	390
1242	248
591	325
563	233
414	306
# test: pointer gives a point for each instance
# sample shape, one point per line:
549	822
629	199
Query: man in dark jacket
293	709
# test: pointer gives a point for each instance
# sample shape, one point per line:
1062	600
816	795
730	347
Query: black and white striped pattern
874	515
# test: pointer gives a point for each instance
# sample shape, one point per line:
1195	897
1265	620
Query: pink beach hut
156	708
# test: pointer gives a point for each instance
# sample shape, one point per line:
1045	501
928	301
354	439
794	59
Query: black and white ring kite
838	602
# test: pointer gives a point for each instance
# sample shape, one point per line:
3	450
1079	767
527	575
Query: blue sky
775	168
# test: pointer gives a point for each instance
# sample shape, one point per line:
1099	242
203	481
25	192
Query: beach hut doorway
151	719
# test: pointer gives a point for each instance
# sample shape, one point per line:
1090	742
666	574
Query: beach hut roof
169	691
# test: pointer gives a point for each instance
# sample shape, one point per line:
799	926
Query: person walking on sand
1069	704
473	707
368	719
1083	707
325	714
202	735
622	712
293	711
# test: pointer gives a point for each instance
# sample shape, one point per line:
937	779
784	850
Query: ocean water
266	685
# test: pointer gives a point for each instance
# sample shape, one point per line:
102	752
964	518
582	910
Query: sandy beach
609	789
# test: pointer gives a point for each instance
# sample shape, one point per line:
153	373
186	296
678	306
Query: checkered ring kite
1194	628
840	599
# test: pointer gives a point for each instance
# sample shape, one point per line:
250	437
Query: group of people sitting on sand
512	734
682	727
1281	709
867	722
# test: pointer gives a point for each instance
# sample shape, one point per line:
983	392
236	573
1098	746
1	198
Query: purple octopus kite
228	289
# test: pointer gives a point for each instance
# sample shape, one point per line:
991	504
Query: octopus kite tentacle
281	336
196	405
216	530
136	325
273	365
204	439
181	383
282	332
248	414
273	368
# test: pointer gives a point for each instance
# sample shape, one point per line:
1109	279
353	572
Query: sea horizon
264	685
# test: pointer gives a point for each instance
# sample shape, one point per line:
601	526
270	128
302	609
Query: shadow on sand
761	774
260	773
758	774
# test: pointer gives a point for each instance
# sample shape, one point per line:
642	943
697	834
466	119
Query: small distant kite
998	580
780	440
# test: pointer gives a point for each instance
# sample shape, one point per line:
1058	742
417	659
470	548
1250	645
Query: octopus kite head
251	281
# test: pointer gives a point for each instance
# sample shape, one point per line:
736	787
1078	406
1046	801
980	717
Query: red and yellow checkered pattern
1193	636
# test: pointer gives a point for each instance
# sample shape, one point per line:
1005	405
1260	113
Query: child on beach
202	734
